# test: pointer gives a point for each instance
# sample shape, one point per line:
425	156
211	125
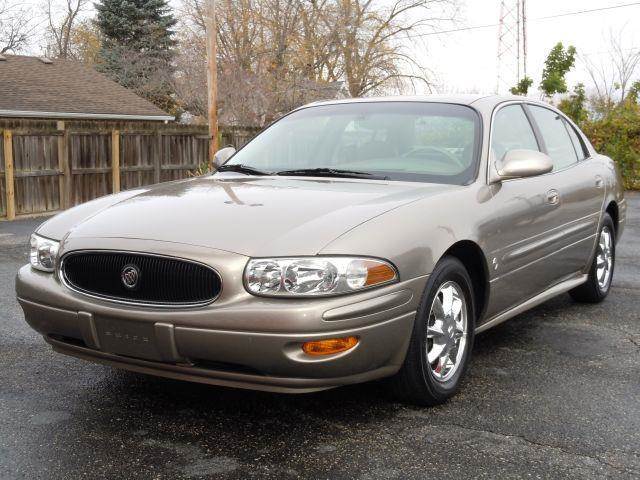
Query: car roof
466	99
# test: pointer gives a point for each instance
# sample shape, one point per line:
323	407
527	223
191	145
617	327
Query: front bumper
222	344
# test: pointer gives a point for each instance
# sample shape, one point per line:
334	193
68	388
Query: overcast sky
466	61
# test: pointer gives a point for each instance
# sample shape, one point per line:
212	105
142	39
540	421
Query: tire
417	381
594	290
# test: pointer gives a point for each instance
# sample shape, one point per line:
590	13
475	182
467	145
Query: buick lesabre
351	240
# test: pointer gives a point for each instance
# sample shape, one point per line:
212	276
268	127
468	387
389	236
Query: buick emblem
130	276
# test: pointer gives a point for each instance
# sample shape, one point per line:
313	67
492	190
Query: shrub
575	105
617	135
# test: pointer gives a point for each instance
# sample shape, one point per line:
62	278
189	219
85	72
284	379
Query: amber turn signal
329	346
379	273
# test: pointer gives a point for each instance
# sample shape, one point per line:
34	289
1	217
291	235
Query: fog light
329	346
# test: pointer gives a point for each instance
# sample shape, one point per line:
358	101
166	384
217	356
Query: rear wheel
442	338
598	284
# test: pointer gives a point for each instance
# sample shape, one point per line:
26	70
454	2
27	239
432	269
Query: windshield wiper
237	167
329	172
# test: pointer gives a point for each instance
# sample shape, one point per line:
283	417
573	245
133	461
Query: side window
578	145
511	131
556	137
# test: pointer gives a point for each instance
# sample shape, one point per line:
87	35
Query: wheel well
472	257
612	209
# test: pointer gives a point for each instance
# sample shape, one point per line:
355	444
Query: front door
528	221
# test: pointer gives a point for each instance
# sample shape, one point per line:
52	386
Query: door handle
599	181
553	197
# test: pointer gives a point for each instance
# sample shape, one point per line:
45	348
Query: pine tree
138	47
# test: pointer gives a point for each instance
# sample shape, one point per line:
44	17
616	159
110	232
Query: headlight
316	276
43	253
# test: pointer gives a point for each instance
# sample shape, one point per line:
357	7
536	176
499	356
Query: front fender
415	236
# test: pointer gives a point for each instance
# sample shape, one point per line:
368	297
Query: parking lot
555	392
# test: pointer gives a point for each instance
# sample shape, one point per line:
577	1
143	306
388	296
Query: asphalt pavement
553	393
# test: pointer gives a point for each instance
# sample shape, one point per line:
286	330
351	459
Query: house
36	87
68	134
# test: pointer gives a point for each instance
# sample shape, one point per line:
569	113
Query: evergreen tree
138	47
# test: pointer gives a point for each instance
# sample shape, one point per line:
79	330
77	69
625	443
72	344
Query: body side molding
557	289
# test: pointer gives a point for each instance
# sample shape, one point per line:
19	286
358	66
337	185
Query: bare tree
259	77
613	75
625	62
370	37
16	26
190	80
319	55
84	44
61	20
602	78
274	55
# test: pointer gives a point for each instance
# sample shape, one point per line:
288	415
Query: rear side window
577	143
511	131
556	137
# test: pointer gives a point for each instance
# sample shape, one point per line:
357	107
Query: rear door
577	182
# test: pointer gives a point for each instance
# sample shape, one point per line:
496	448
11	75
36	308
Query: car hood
253	216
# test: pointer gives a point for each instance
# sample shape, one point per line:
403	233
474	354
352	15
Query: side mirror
521	164
222	155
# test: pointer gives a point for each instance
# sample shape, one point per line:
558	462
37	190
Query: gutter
85	116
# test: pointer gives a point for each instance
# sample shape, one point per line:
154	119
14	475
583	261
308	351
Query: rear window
578	144
556	137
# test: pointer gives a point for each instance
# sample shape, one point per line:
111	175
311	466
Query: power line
608	52
579	12
566	14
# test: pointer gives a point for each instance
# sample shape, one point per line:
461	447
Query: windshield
411	141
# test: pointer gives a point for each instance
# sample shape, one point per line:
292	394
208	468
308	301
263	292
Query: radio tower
512	44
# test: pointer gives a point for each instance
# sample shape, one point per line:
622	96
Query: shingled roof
36	87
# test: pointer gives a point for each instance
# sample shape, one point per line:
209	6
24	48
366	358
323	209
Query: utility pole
212	79
524	36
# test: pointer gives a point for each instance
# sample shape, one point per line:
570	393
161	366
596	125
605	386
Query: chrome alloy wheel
604	258
447	328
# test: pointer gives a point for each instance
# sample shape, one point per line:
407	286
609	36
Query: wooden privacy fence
47	166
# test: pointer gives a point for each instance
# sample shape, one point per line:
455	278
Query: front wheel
442	338
596	288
